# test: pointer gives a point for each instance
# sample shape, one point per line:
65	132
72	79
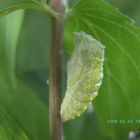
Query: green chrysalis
84	73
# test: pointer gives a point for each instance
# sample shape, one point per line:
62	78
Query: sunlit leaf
118	97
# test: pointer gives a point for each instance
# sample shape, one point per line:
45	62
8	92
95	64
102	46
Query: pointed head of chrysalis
84	73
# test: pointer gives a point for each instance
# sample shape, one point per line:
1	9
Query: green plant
25	40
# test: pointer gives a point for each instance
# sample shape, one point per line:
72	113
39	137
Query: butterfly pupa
84	75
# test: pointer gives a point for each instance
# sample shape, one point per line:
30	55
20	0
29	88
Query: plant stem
55	72
46	9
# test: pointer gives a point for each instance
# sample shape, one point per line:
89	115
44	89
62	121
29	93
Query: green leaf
8	6
118	97
10	29
23	115
8	127
37	43
33	52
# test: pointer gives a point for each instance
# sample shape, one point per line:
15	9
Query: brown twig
55	72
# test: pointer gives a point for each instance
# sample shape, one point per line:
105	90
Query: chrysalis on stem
85	73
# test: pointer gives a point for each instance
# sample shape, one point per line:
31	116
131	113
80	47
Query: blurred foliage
24	51
21	110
